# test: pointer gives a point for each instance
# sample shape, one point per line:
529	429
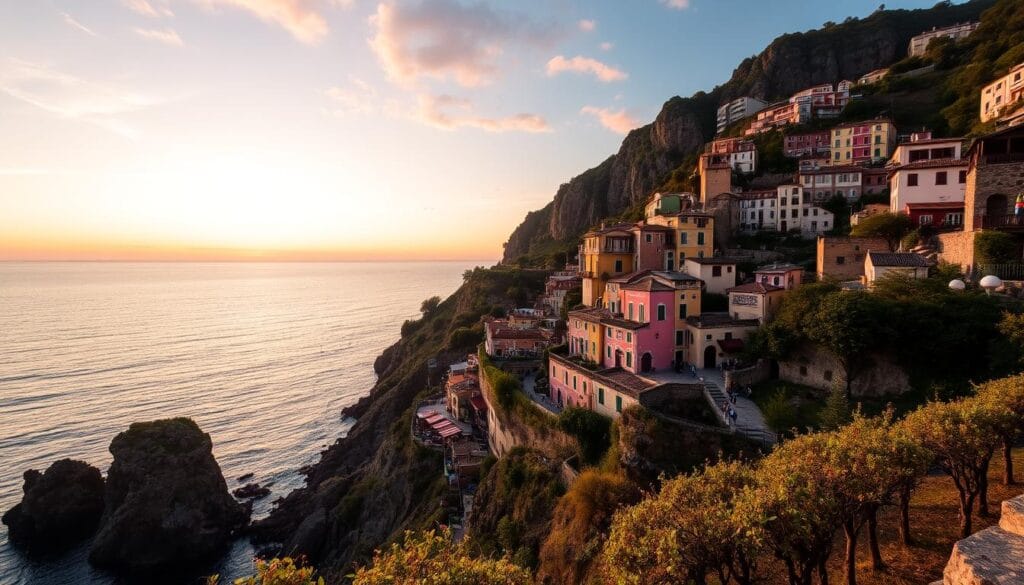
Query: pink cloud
578	64
586	25
677	4
301	18
167	36
607	46
445	39
70	21
615	120
145	8
436	111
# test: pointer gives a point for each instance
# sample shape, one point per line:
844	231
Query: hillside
649	154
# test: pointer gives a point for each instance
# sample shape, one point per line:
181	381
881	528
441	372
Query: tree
1006	393
432	557
794	507
430	305
848	324
689	529
837	411
961	436
889	226
278	571
592	430
992	247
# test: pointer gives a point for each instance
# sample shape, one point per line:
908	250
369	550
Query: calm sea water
262	356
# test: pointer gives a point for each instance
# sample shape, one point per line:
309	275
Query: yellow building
694	235
586	334
863	142
606	253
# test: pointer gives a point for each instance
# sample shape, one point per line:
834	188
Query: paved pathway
539	399
749	420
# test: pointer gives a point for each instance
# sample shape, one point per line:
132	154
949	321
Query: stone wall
850	250
819	368
659	397
752	375
506	430
985	180
957	248
994	555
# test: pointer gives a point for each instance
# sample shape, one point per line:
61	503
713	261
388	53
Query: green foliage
837	411
282	571
592	430
430	305
889	226
465	338
573	298
778	412
910	240
431	557
992	247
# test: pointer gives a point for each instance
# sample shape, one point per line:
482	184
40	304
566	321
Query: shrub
592	430
282	571
778	412
991	247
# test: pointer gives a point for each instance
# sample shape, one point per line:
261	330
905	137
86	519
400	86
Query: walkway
539	399
749	420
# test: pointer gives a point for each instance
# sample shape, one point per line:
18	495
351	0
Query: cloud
145	8
615	120
578	64
167	36
301	18
676	4
433	112
586	25
358	97
607	46
75	24
68	96
444	39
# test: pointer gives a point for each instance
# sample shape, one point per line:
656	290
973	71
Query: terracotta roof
754	287
500	332
623	381
898	259
778	268
623	323
933	163
710	320
712	261
594	315
648	284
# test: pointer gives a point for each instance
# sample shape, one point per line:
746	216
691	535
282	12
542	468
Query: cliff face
790	63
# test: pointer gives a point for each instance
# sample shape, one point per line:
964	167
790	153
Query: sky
335	129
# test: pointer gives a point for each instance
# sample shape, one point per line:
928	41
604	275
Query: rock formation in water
61	506
167	504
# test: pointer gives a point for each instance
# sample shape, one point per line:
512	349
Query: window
618	404
728	269
962	177
574	382
609	331
608	352
940	178
775	280
649	238
679	337
700	238
682	310
878	153
716	271
840	260
954	218
600	395
629	337
629	311
661	312
618	266
643	314
912	180
878	139
629	359
682	238
925	219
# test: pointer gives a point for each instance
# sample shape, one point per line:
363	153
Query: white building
798	212
998	96
738	109
757	211
919	44
718	274
873	76
878	264
926	170
738	153
824	182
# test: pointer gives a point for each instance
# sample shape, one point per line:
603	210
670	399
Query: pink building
807	144
785	276
569	383
652	242
644	338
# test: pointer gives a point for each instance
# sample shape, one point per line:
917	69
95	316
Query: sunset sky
335	129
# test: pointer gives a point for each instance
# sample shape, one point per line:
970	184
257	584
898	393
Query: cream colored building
878	264
998	97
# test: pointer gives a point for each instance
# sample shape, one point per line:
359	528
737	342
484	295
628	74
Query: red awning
478	403
450	432
731	345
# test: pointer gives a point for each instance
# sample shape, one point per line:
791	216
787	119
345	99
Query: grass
786	405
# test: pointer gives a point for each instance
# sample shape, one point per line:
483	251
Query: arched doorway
709	356
996	206
645	362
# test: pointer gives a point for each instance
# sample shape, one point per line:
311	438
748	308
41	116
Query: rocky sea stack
60	506
167	504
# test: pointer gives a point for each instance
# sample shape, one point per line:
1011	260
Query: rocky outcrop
60	506
167	504
790	63
991	556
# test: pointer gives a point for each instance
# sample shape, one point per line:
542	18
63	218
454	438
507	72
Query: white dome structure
957	284
991	283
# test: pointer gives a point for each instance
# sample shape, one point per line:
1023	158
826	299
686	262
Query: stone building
842	258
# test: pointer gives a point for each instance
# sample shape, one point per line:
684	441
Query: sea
264	357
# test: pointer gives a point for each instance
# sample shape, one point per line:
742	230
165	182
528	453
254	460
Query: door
709	356
645	363
618	358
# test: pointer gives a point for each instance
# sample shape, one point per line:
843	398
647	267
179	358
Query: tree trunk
905	536
876	554
1008	461
851	552
966	505
823	572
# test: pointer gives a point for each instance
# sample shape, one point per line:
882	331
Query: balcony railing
1004	221
1004	158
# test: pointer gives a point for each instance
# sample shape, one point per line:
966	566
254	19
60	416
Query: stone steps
994	556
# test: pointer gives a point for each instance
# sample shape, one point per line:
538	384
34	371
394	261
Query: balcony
1004	158
1006	221
617	249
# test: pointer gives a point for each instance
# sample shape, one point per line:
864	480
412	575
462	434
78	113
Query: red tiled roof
648	284
933	163
754	287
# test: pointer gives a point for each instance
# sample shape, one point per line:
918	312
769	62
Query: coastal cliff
649	154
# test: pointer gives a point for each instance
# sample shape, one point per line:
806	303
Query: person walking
732	415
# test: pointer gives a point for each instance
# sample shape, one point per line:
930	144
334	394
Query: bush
465	338
778	412
276	572
592	430
992	247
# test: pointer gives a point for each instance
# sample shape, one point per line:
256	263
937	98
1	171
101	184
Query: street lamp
991	283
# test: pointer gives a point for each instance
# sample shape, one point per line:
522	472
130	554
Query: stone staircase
994	556
755	432
928	252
